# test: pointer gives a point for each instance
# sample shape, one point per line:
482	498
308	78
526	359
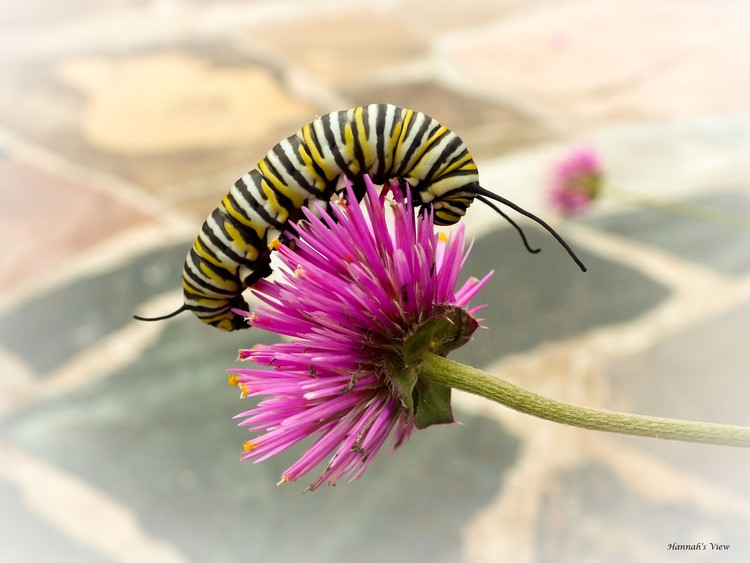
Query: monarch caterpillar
232	251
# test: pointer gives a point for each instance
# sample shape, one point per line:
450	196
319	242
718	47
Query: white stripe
292	155
287	179
245	205
390	118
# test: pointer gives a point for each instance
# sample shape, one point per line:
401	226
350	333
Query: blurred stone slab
536	298
46	219
588	515
714	240
26	537
583	60
51	328
345	49
444	13
159	437
158	117
698	374
44	12
488	128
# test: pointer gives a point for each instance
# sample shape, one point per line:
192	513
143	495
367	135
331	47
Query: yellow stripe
465	163
403	148
393	143
242	218
268	175
277	183
330	171
447	216
427	144
245	248
320	182
405	121
217	280
209	299
223	320
201	251
349	146
226	324
364	142
282	214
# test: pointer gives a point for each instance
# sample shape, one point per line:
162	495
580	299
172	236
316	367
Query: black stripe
219	217
316	143
398	118
382	110
313	162
366	120
338	157
460	172
194	258
207	310
283	200
292	168
198	284
359	154
417	142
243	189
226	277
272	169
257	206
248	233
223	271
440	162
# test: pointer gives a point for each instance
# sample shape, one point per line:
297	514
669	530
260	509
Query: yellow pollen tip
244	390
275	244
233	380
442	237
248	446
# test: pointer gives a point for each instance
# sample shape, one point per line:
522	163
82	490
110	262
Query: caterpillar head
449	208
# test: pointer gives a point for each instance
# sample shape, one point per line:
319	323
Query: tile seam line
104	257
657	264
109	185
98	361
109	527
595	341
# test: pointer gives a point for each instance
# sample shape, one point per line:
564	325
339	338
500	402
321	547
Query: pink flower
361	295
576	182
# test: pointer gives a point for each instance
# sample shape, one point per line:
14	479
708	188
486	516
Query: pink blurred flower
576	181
355	290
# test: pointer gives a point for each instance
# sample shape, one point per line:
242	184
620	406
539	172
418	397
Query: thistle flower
576	181
363	296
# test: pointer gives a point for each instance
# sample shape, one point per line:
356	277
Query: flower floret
357	283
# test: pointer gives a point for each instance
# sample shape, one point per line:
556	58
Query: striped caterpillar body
384	141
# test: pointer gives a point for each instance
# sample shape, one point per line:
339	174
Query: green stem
458	376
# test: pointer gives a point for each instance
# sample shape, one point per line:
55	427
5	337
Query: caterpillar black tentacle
232	250
480	191
515	225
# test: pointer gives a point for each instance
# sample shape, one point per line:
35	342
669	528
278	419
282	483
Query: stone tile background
123	122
